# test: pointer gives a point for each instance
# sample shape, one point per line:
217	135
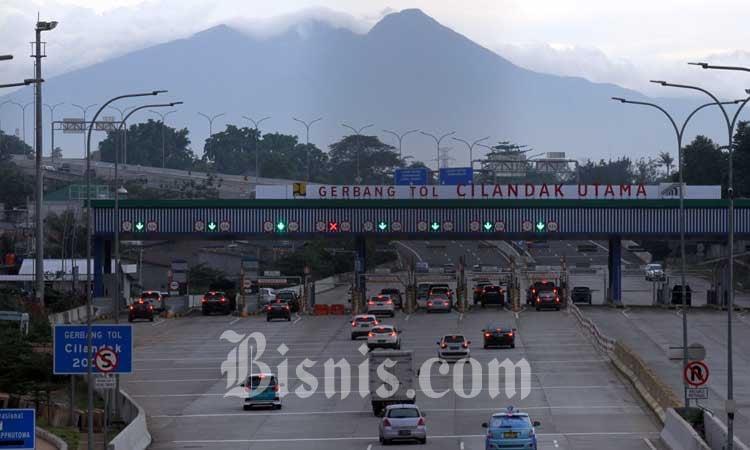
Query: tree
666	160
742	160
57	153
15	186
145	149
704	164
377	160
232	151
645	170
614	172
65	235
11	145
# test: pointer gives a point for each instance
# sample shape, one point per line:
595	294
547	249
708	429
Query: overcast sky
620	42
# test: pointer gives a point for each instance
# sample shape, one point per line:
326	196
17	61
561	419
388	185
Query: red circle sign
106	360
696	373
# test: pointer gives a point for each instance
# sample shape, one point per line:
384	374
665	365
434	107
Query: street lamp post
471	148
358	133
400	138
89	317
307	143
210	120
680	133
256	124
163	119
437	145
23	118
84	111
52	126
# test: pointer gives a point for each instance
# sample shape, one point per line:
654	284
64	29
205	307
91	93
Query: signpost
112	346
696	373
104	382
411	177
17	428
456	175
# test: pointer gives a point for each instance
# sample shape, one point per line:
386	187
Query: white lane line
648	442
234	321
406	319
517	316
297	319
369	412
461	446
461	316
158	322
419	258
554	441
372	438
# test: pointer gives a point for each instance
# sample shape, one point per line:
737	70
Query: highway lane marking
554	441
369	447
648	442
461	446
297	319
220	394
158	322
234	321
419	258
406	319
372	438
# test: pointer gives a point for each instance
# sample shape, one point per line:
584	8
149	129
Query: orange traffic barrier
321	310
337	310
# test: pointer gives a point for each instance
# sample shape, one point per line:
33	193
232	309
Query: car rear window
510	422
492	288
364	319
149	295
257	380
403	413
382	330
439	295
285	295
214	294
454	339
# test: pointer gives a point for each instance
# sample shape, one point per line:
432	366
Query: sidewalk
651	331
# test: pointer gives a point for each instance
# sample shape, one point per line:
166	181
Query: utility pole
39	225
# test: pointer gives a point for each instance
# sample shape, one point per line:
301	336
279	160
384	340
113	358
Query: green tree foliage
11	145
742	160
377	161
705	163
203	278
15	186
666	160
616	172
66	235
232	151
145	149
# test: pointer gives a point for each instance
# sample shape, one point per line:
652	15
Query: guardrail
604	342
135	435
50	438
15	316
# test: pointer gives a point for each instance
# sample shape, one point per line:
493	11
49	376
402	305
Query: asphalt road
579	398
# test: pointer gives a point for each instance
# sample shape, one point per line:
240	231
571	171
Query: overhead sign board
456	175
411	177
73	125
111	349
18	429
466	191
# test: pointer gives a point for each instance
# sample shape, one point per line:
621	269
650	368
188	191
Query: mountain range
407	72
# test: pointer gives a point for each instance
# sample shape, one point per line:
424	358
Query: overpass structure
611	220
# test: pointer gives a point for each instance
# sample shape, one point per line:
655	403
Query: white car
265	296
453	347
655	272
381	304
362	324
384	336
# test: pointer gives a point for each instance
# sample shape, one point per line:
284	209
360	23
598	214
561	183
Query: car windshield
496	327
403	413
454	339
510	422
492	288
380	298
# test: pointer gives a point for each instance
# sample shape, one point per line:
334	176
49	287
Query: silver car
403	423
438	302
453	347
655	272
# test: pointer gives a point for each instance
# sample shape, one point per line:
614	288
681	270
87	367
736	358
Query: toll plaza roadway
181	381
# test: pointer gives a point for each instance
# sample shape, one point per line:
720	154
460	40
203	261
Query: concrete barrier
51	439
716	433
75	315
677	434
602	341
135	435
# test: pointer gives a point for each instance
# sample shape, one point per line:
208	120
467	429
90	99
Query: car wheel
205	313
246	407
382	441
277	407
557	309
151	319
130	319
289	319
538	308
486	346
268	319
513	345
393	314
423	441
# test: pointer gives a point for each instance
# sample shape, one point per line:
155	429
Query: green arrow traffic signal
540	226
139	226
382	226
280	226
435	226
212	226
488	226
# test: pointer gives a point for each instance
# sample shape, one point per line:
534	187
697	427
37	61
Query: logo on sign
696	373
448	226
396	226
422	226
500	226
127	226
174	285
346	226
106	360
320	226
474	226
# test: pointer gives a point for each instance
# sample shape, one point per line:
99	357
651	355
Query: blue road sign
411	177
17	428
456	175
71	351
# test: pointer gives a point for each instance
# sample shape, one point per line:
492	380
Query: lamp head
158	92
700	64
619	99
5	57
662	82
176	103
46	26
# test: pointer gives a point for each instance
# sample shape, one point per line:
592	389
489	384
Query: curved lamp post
358	133
307	143
400	138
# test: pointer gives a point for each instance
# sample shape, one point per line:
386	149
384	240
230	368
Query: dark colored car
395	295
290	298
677	295
492	295
536	288
215	301
278	309
478	286
141	310
581	294
496	335
441	289
547	299
154	298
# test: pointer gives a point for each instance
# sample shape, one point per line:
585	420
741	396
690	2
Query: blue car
510	430
262	390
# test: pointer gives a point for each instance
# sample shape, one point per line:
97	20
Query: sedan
547	299
497	335
381	305
384	336
278	310
362	324
438	302
401	423
141	310
492	295
453	347
581	294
